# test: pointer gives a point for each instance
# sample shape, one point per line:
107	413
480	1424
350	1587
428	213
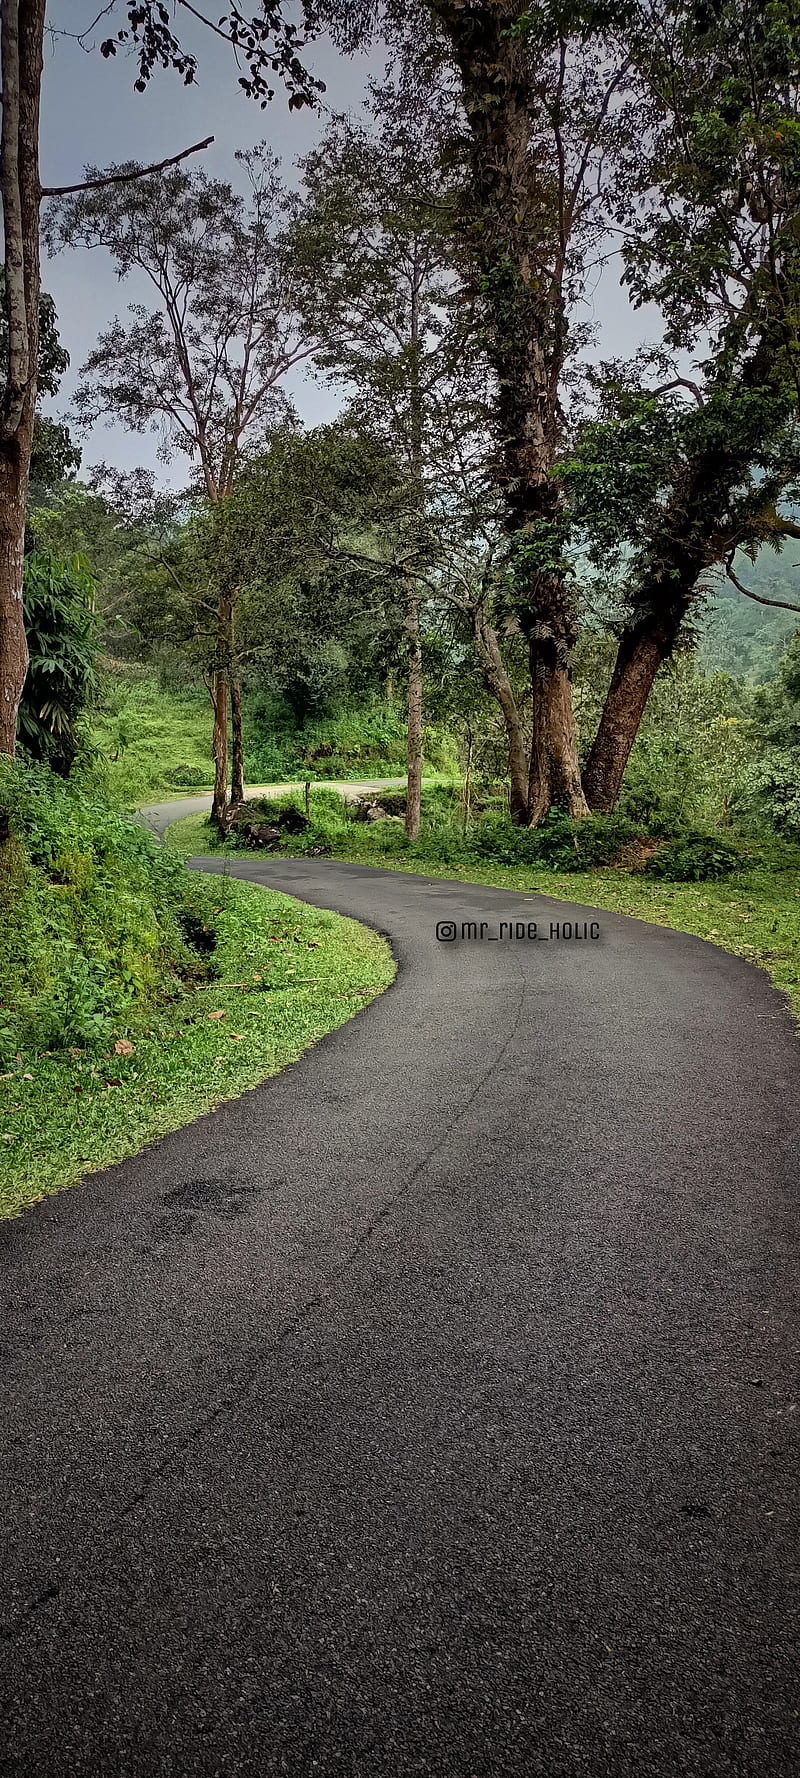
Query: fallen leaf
215	1015
27	1077
236	1036
123	1047
313	944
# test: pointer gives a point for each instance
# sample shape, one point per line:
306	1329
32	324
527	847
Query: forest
550	594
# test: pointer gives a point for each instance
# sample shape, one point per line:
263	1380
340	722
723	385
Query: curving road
433	1408
159	816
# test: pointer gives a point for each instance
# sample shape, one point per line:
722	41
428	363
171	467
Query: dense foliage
94	920
61	625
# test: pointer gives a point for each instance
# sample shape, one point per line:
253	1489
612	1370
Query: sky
92	117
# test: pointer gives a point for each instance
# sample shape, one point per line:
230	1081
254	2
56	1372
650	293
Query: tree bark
219	697
514	227
237	736
498	684
414	753
13	641
21	43
468	782
641	652
554	774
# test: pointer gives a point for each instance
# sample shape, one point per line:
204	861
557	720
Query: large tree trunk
554	775
237	738
641	652
414	755
512	236
21	43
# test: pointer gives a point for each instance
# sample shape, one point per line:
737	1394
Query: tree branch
682	383
64	191
783	604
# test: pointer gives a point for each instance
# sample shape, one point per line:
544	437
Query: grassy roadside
285	975
154	742
755	914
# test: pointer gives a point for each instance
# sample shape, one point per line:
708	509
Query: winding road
432	1409
159	816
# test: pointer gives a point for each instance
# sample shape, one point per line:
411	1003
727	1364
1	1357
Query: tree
545	98
267	41
378	287
131	535
205	364
717	246
21	35
537	91
310	538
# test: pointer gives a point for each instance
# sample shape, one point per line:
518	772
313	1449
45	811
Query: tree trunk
219	698
468	783
497	682
414	790
13	641
641	652
21	44
554	774
237	737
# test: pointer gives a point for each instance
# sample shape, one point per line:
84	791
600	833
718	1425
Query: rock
263	836
237	815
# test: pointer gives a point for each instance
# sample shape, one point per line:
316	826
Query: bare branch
783	604
64	191
682	383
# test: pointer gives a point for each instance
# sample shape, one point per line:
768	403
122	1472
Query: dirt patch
637	853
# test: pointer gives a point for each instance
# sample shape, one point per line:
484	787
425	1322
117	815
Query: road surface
159	816
432	1409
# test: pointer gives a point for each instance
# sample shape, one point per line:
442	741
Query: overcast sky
92	117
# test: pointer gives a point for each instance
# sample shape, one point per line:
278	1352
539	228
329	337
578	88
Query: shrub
771	791
694	858
90	916
61	628
186	777
558	843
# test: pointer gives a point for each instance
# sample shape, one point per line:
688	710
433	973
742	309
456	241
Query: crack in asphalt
234	1397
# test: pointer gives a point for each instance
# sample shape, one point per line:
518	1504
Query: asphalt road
159	816
433	1408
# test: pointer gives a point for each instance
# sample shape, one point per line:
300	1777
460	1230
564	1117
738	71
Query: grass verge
755	914
286	975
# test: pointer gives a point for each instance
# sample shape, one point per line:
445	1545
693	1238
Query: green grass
755	914
287	974
161	739
154	742
369	741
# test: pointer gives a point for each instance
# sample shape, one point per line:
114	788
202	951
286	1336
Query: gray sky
91	116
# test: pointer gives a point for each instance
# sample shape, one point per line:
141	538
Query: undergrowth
135	994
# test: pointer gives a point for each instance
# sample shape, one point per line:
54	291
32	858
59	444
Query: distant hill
739	637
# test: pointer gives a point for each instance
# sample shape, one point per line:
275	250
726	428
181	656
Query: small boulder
262	836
